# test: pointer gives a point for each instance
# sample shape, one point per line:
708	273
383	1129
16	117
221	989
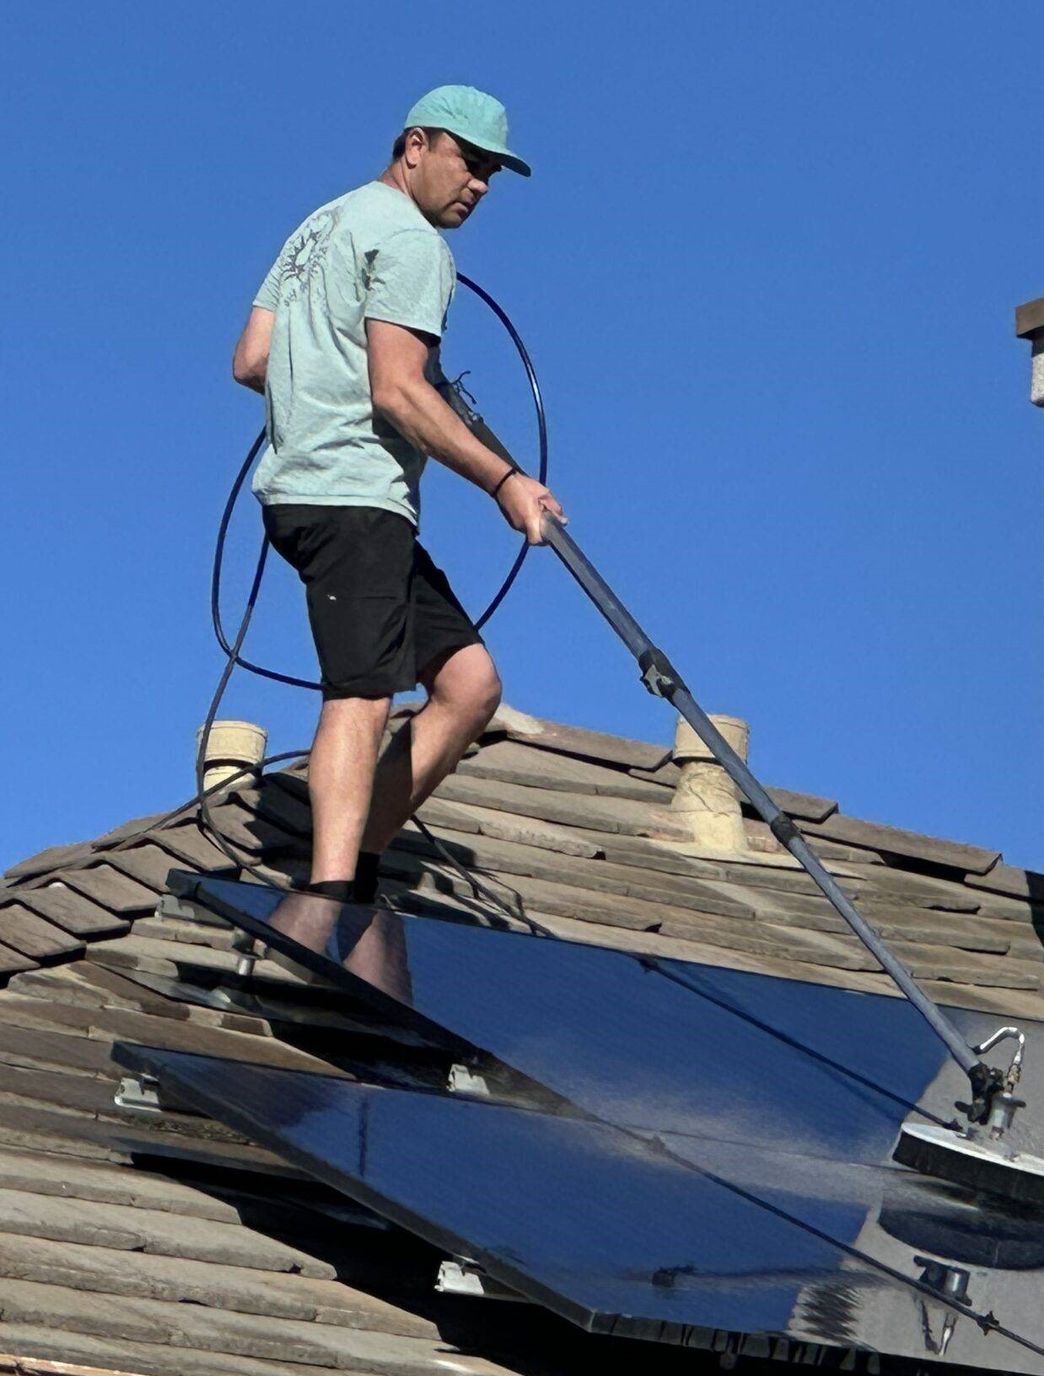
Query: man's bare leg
340	781
464	692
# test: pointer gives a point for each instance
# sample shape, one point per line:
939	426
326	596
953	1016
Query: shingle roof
211	1255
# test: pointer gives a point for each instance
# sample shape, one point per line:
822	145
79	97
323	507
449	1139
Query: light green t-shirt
370	254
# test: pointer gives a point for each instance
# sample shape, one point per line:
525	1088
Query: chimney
231	746
705	798
1029	325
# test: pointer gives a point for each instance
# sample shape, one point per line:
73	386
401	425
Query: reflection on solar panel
574	1215
736	1055
791	1092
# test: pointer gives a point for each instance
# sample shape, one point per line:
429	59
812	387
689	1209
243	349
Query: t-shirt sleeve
268	292
411	282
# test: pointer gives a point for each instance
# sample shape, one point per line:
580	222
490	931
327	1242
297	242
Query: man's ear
416	143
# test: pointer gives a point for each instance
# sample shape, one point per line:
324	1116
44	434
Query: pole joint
659	675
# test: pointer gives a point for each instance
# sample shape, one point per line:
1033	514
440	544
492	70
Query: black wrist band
509	474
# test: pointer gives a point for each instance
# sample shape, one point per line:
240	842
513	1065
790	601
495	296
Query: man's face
450	177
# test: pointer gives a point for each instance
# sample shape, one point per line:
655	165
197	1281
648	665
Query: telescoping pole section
662	679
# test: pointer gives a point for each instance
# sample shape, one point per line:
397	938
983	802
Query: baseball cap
470	114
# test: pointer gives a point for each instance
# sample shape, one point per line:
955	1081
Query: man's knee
468	684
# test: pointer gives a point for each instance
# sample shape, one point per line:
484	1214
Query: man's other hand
524	503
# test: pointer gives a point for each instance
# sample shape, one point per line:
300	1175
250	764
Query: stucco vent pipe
705	798
231	746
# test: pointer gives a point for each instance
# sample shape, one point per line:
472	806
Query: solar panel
731	1055
579	1217
782	1089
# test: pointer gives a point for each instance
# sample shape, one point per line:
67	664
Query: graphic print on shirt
304	255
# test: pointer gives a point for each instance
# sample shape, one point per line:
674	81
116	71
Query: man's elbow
249	371
399	400
388	401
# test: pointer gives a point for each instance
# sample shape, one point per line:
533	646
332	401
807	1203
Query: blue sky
766	267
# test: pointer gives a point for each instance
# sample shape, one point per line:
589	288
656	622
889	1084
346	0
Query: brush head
972	1163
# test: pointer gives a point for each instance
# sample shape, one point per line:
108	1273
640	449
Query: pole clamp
659	675
986	1083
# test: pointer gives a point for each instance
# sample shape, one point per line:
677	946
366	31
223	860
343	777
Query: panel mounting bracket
462	1276
463	1080
139	1094
169	905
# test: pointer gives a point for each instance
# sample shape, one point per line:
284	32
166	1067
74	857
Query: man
343	340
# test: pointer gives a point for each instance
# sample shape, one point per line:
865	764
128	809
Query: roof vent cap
705	798
233	745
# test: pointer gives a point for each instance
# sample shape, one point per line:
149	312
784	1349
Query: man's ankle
341	890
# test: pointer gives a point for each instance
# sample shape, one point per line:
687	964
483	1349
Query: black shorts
381	612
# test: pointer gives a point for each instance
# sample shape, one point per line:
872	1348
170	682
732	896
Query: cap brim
513	164
507	158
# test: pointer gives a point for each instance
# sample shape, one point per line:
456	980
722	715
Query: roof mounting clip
246	948
138	1094
462	1276
463	1080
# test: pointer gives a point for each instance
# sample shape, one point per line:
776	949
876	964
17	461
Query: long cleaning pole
662	679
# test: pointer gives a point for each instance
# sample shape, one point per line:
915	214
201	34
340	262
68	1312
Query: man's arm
250	360
403	395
